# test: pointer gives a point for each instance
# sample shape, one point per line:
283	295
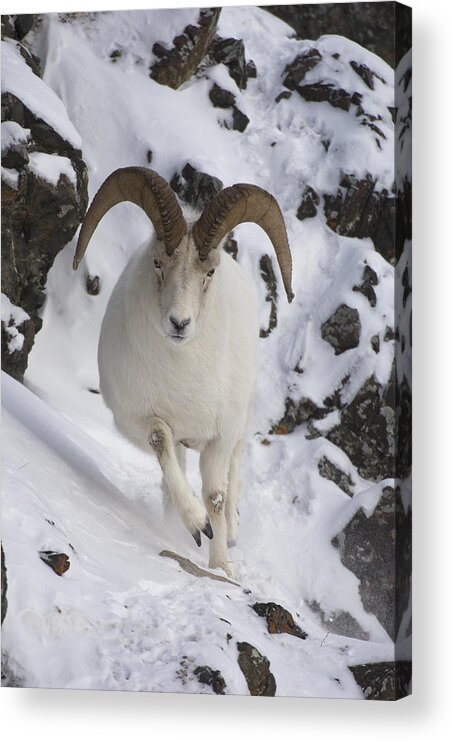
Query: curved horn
146	189
245	203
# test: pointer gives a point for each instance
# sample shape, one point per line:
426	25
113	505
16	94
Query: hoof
207	530
197	537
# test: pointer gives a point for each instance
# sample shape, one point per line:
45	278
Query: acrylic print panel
108	582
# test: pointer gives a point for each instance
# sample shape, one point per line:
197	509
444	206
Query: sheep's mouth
177	338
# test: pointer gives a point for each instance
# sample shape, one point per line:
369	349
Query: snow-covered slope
122	616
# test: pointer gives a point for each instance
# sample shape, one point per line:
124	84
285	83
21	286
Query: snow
13	134
13	316
123	617
11	177
52	167
18	79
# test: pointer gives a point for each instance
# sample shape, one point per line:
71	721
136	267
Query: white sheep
178	347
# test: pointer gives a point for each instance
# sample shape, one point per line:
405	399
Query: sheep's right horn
146	189
241	203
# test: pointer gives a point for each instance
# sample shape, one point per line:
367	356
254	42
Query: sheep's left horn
245	203
146	189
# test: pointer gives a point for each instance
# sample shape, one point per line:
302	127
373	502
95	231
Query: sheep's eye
157	263
211	272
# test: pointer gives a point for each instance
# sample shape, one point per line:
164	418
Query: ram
178	349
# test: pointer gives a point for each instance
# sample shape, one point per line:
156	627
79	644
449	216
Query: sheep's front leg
232	501
186	503
214	465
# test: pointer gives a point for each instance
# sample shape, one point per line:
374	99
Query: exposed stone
309	204
268	275
58	562
297	413
370	24
342	329
14	361
176	65
4	586
279	620
284	95
221	98
339	622
377	549
240	120
319	92
231	53
369	279
375	343
93	285
384	681
358	210
295	71
328	470
207	676
366	432
256	670
364	73
194	187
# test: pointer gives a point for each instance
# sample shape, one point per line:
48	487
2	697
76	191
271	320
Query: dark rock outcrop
39	217
55	560
328	470
176	65
256	670
197	189
279	620
231	53
369	280
221	98
297	69
339	622
309	204
377	549
372	25
384	681
342	329
358	210
207	676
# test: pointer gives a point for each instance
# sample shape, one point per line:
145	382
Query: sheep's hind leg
214	465
186	503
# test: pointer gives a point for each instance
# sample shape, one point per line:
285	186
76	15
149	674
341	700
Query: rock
342	329
38	218
377	549
256	670
358	210
23	24
366	432
375	343
384	681
231	53
58	562
17	342
297	413
194	187
319	92
369	279
309	204
221	98
279	620
176	65
295	71
268	275
339	622
372	25
328	470
93	285
364	73
4	586
207	676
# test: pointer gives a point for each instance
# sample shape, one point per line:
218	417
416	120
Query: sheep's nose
179	325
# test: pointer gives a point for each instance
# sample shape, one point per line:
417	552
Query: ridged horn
146	189
245	203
